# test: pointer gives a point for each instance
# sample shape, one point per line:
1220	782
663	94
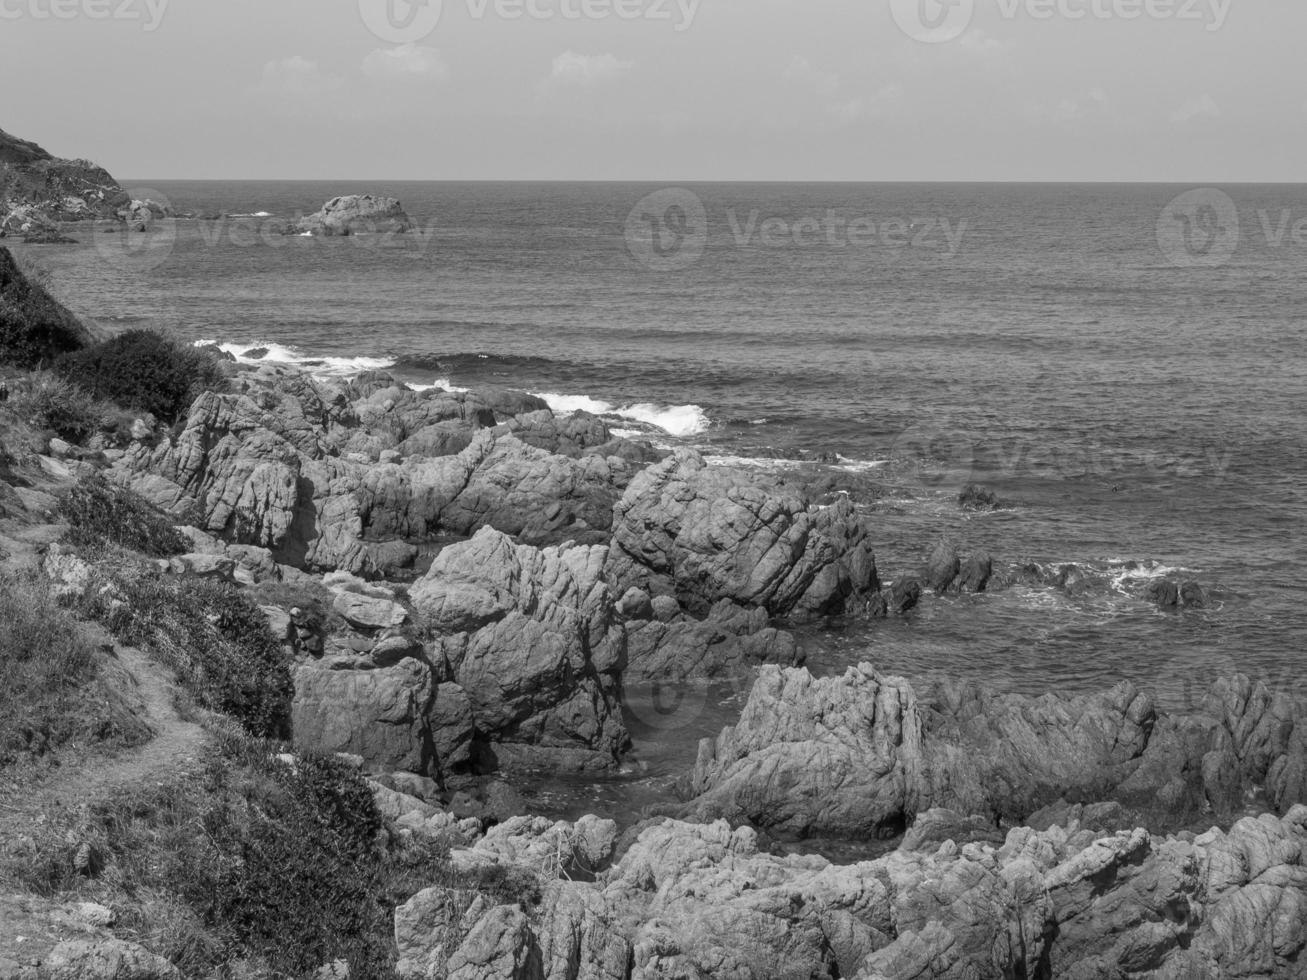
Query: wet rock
976	573
942	568
1164	593
976	497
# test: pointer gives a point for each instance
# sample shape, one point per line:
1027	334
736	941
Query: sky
663	90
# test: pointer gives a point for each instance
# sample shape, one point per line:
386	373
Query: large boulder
532	636
357	214
862	754
403	718
704	533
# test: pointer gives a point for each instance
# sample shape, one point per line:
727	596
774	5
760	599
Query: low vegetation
55	692
100	513
146	371
35	328
49	402
258	866
210	634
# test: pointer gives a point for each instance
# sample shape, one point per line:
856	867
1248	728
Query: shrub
34	327
47	401
146	371
98	512
54	691
214	638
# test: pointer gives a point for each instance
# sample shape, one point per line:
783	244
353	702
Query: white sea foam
254	214
681	421
1125	571
444	384
336	367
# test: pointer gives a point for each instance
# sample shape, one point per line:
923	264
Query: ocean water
1141	417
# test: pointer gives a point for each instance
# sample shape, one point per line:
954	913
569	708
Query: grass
35	328
55	692
275	867
210	634
99	512
52	403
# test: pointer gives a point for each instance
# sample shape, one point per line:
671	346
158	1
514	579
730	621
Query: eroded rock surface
862	754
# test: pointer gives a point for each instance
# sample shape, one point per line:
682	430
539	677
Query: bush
47	401
34	327
214	638
146	371
99	512
54	691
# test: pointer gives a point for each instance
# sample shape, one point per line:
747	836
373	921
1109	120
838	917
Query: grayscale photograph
653	490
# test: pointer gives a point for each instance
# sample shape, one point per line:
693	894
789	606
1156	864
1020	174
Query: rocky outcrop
38	190
357	214
729	642
862	754
266	467
533	638
703	534
701	901
35	327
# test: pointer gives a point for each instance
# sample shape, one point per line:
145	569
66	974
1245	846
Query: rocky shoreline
467	587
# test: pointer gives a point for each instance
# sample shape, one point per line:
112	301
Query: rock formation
357	214
863	754
38	190
702	901
703	534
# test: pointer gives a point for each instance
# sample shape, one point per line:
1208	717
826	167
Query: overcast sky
1190	90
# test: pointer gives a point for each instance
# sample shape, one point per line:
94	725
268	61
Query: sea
1125	366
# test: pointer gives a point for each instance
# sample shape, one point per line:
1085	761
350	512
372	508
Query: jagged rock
355	214
369	612
705	533
942	568
976	497
533	637
395	718
976	573
700	901
730	641
105	959
861	754
551	848
270	477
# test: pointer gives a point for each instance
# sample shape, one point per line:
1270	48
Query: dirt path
31	926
